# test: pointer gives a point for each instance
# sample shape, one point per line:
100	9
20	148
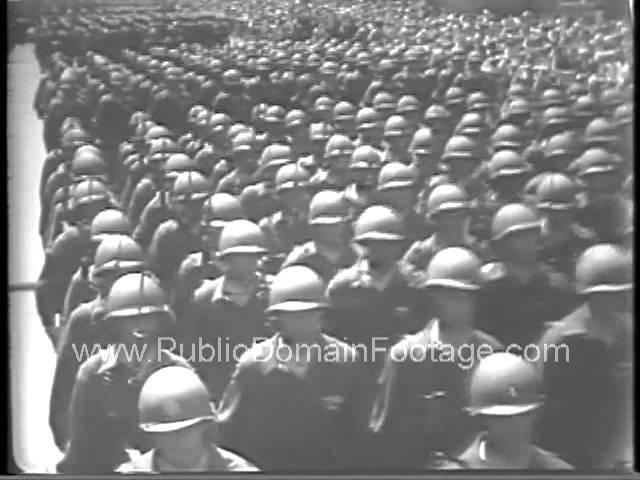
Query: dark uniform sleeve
152	217
165	253
140	198
79	292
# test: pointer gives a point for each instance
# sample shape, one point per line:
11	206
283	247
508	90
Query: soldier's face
331	234
461	168
240	265
453	306
523	244
400	199
509	430
300	326
178	447
381	253
455	222
295	198
138	329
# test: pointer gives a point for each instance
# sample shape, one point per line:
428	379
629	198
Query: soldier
448	211
370	128
328	250
179	424
364	169
243	162
384	73
419	407
287	227
179	236
233	100
562	239
332	173
588	380
287	407
520	294
505	394
344	119
397	137
103	413
116	256
108	222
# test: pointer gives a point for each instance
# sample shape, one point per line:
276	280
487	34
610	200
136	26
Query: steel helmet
274	156
185	404
504	384
136	294
513	218
88	163
553	97
178	163
365	157
160	150
221	208
396	175
478	101
408	104
243	142
275	114
611	98
556	117
297	289
75	137
585	107
455	96
328	207
296	118
623	115
422	142
118	253
344	111
507	163
88	191
156	132
241	236
232	77
564	144
368	118
319	132
110	222
460	146
397	126
190	186
604	268
437	112
517	110
220	122
339	145
323	104
600	132
454	267
595	161
507	136
556	192
291	176
471	124
379	222
577	90
447	198
384	102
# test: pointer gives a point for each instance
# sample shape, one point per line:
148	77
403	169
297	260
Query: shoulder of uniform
167	226
206	289
92	365
343	278
492	271
256	354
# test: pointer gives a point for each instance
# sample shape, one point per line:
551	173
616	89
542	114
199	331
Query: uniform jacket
419	406
104	413
309	256
286	420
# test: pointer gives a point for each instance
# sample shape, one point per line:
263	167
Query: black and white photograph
336	237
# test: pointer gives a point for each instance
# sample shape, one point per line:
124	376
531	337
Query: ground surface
32	358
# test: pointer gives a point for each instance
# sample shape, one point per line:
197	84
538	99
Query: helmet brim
451	284
517	229
174	426
378	237
504	410
296	306
140	311
607	288
328	220
245	249
400	184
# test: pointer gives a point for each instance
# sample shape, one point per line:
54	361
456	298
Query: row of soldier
424	194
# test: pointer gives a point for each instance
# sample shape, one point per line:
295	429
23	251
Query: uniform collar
378	280
299	370
220	294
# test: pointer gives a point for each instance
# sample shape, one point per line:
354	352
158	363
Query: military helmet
185	404
110	222
454	267
328	207
291	176
117	254
422	142
460	146
504	384
339	145
396	175
513	218
507	163
221	208
604	268
447	198
136	294
297	289
408	104
556	192
600	132
190	185
365	157
379	222
241	236
507	136
368	118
